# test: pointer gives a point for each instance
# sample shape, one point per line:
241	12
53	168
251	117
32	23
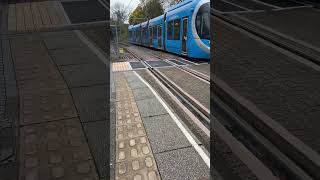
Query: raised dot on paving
135	159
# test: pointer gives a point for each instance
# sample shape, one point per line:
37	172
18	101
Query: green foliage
147	9
153	8
137	16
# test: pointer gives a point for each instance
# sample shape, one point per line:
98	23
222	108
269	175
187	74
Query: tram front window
203	21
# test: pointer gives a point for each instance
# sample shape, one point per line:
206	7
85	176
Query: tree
119	13
137	16
168	3
153	8
147	9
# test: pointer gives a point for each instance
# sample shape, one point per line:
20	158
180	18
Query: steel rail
223	130
201	112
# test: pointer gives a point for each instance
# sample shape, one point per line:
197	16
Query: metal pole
117	43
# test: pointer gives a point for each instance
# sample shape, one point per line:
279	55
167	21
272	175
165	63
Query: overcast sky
131	4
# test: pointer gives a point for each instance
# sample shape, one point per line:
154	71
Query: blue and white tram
184	29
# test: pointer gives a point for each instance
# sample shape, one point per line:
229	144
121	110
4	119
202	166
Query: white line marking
105	5
266	4
100	54
129	65
200	151
236	5
186	110
177	67
295	7
64	13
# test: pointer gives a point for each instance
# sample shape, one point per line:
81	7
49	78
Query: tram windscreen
203	21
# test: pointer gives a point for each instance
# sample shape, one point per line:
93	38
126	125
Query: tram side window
142	34
159	31
145	33
170	28
176	29
150	32
154	32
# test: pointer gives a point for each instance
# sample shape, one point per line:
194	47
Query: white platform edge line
97	51
194	144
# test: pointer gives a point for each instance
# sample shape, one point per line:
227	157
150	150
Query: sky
131	4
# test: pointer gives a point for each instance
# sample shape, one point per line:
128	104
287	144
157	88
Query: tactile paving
32	16
134	157
55	150
120	66
52	144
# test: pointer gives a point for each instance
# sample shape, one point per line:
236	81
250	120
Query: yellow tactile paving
31	16
134	157
53	15
20	17
28	16
36	16
121	66
12	23
44	14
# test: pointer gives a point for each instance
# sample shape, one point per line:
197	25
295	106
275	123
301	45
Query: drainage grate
158	63
136	65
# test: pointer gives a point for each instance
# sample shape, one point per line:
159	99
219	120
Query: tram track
285	156
198	110
227	131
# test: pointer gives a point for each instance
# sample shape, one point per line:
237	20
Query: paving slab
91	102
142	93
164	134
131	77
62	40
55	150
97	134
46	106
150	107
72	56
85	11
137	85
181	164
84	74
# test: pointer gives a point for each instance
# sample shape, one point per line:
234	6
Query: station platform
151	140
54	93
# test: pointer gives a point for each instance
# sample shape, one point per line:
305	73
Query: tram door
184	35
160	36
